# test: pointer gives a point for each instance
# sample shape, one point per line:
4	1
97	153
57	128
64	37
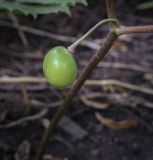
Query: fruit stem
72	47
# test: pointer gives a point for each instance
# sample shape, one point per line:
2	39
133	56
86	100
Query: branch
83	76
25	119
24	79
111	12
87	43
134	29
121	84
17	26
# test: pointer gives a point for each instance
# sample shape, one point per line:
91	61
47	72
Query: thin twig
22	80
121	99
18	27
40	105
87	43
88	82
120	83
118	65
25	119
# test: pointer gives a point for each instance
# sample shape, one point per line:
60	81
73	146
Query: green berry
59	67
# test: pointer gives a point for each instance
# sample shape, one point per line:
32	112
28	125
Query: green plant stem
111	37
72	47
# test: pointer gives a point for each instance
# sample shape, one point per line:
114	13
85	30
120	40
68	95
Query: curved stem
72	47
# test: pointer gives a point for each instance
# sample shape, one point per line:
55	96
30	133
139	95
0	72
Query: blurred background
112	116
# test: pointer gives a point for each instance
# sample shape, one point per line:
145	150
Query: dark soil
20	142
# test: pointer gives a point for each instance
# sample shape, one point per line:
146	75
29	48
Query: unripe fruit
59	67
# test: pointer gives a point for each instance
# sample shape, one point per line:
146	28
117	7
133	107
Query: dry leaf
49	157
116	124
23	151
113	88
119	46
149	77
3	115
25	98
94	104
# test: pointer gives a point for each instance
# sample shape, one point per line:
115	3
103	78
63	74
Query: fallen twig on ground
18	27
118	65
38	104
88	82
120	83
25	119
39	32
121	99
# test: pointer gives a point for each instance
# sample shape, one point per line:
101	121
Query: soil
101	142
